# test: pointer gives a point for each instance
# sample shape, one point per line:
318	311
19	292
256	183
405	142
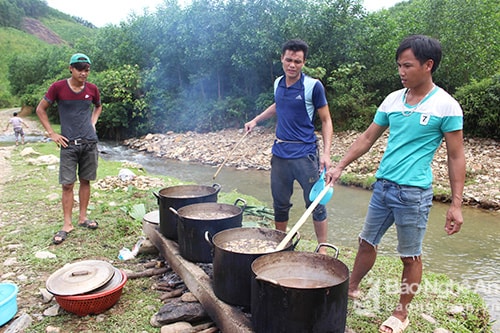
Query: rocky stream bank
482	187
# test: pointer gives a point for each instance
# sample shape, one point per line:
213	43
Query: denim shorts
81	157
407	207
283	174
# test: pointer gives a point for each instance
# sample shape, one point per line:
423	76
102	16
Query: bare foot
354	294
68	230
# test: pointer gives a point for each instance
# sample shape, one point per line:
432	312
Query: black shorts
284	172
81	157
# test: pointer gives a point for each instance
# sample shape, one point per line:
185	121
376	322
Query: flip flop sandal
59	237
89	224
396	325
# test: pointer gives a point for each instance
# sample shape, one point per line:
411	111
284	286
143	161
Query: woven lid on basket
80	277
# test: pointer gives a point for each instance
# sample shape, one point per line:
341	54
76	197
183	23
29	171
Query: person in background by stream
298	100
418	116
79	107
17	124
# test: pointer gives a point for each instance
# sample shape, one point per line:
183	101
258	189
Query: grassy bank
31	214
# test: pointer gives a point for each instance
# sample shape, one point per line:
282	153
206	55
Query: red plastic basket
83	305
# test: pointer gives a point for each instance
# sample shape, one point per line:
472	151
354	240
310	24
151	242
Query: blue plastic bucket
8	302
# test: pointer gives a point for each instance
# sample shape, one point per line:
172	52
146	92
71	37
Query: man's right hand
59	139
250	125
332	175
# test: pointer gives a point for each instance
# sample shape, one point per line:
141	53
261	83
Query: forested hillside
32	27
211	65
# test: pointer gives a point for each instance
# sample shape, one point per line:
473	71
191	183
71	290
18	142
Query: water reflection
470	257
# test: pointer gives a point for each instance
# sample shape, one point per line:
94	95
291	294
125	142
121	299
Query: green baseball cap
79	57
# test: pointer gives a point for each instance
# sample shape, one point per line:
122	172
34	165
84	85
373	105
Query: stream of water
470	257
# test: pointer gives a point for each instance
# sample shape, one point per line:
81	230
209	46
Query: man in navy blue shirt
298	100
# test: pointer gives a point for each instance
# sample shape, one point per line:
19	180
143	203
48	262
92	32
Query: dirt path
35	128
6	151
4	165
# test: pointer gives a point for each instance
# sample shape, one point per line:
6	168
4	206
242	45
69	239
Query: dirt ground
5	151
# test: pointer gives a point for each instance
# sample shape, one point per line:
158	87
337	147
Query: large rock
177	310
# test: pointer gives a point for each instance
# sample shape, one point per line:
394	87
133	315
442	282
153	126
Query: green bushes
124	110
480	101
211	65
351	105
10	14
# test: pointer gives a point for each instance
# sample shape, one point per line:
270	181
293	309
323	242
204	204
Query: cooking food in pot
208	215
250	245
197	219
177	197
297	292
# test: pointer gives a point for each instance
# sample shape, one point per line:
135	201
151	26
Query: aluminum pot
299	292
180	196
232	274
194	220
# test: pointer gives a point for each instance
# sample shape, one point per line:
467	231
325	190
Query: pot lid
111	284
152	217
80	277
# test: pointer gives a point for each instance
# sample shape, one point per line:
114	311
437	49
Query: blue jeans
284	172
405	206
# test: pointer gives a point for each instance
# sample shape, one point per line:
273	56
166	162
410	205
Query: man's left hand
454	220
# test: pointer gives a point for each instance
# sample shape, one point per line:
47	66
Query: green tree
124	113
212	64
27	69
469	32
32	8
480	101
350	104
10	14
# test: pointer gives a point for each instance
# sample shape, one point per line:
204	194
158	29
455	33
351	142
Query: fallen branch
148	272
202	328
210	330
171	294
154	264
163	288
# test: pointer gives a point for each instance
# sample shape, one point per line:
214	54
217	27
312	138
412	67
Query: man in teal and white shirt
418	117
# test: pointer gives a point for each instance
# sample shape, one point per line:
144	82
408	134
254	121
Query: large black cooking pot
194	220
234	250
180	196
299	292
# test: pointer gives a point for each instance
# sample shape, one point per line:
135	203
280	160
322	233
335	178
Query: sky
104	12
